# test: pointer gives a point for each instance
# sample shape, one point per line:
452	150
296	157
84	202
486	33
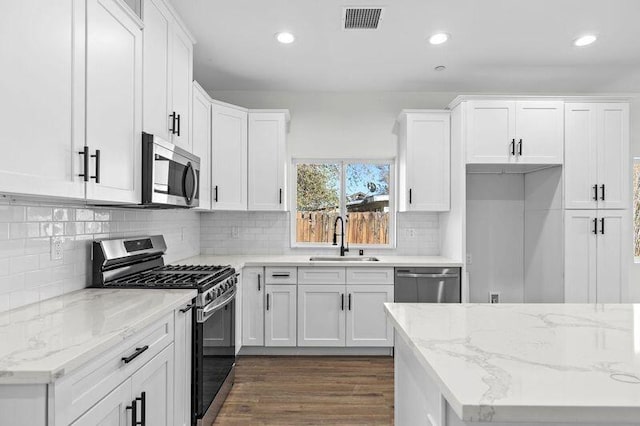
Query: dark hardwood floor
309	391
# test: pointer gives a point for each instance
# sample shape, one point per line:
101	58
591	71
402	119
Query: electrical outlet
235	232
56	248
494	297
411	232
469	259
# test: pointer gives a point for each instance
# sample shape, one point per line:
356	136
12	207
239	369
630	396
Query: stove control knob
208	297
219	292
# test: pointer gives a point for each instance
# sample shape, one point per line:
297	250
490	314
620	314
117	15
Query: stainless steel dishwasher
427	285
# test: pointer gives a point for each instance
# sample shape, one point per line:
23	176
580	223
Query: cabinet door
280	315
614	255
110	410
253	307
267	161
428	166
580	256
321	315
228	158
490	132
580	163
367	323
613	156
201	132
114	102
540	127
42	94
153	383
156	60
182	367
181	83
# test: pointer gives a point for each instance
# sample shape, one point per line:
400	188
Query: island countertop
42	342
528	362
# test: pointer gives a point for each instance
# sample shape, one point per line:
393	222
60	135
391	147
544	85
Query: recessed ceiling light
439	38
440	68
285	38
585	40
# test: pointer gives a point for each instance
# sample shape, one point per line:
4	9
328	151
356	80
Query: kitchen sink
343	259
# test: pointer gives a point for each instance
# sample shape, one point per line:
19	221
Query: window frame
342	162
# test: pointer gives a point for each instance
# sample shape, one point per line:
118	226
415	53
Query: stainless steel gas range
139	262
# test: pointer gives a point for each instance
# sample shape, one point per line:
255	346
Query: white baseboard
261	350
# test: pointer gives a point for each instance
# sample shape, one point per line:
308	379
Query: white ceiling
496	45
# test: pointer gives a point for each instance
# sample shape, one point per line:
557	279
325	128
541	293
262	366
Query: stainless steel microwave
170	175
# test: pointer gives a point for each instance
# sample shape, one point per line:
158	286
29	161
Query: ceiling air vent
362	18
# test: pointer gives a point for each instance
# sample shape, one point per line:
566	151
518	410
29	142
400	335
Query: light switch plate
494	297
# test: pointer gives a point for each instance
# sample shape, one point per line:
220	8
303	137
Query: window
636	208
359	190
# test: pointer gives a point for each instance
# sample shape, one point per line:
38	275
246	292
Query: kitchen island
516	364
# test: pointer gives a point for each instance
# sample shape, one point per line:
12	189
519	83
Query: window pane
367	203
636	206
318	201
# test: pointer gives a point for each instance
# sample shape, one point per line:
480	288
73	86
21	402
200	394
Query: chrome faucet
343	250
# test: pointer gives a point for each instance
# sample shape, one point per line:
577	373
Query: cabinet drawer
281	275
77	393
369	275
321	275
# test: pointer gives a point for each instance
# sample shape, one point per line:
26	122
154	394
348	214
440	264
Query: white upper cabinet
267	153
201	137
424	150
597	153
510	131
228	157
113	102
168	75
43	112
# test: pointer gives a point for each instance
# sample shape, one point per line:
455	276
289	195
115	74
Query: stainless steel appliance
170	175
427	285
138	262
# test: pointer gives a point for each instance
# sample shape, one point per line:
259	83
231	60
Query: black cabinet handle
134	412
173	123
520	147
143	407
602	225
186	308
342	301
349	301
215	196
595	226
258	282
97	157
602	197
135	355
513	146
410	195
280	196
178	118
595	192
85	159
267	301
284	275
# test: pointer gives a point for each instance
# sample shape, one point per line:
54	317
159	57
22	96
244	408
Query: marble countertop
529	362
240	261
42	342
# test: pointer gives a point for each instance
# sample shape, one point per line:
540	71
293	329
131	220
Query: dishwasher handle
412	275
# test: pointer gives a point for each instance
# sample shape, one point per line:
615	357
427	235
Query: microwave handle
190	197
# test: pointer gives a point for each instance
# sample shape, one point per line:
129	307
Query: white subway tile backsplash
27	272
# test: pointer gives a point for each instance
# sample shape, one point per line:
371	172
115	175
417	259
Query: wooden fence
362	227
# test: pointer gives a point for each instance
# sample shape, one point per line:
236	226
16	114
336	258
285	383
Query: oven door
213	357
170	175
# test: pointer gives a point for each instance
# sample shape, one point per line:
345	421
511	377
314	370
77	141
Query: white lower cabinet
367	323
321	315
253	307
112	410
182	366
596	255
152	390
280	315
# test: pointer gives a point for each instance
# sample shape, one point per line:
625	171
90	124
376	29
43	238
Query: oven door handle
205	313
